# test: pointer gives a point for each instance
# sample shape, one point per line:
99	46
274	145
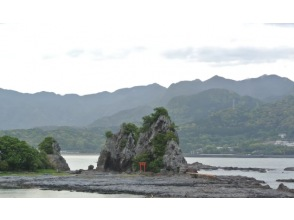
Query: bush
18	155
46	145
130	128
108	134
4	166
150	119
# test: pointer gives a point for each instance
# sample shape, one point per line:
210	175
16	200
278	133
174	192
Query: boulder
58	162
289	169
90	167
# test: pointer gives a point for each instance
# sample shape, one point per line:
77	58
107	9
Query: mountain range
214	116
25	111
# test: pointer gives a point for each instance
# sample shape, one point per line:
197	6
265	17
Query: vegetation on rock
47	145
16	155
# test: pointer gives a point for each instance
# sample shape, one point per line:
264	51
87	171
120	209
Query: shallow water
37	193
275	168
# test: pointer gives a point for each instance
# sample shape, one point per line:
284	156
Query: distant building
282	135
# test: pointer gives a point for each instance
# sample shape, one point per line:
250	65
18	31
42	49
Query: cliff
156	143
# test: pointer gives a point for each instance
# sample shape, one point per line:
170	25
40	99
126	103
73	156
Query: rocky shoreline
151	185
200	166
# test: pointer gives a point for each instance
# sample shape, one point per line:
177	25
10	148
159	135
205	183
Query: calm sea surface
275	171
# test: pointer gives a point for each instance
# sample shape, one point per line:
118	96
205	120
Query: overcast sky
84	47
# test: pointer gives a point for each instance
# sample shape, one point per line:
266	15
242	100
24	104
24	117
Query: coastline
150	185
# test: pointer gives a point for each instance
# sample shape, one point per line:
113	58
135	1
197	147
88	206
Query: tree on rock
47	145
51	148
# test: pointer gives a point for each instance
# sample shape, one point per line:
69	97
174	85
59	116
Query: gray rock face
121	149
173	158
118	153
56	160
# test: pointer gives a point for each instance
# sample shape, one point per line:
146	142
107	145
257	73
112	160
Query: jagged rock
284	188
118	153
173	158
121	148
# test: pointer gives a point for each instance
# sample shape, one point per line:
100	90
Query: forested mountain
185	109
20	110
266	88
131	115
241	130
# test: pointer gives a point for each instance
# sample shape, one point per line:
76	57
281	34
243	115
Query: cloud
115	54
231	56
75	53
284	25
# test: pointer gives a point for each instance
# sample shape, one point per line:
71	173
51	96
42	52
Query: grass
33	173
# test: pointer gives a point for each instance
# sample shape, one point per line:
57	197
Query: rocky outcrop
151	185
285	180
56	160
200	166
284	188
156	144
118	152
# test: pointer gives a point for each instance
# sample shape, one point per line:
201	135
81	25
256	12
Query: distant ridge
23	110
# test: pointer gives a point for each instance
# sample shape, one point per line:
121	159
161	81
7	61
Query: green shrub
108	134
18	155
46	145
4	166
130	128
123	143
150	119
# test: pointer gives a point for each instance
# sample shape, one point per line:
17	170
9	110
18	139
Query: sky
86	47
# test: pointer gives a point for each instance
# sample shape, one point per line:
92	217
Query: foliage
130	128
47	145
108	134
150	119
144	157
154	160
18	155
88	140
242	131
